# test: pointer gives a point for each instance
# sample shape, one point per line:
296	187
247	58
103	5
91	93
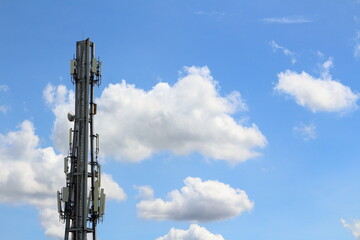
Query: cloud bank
30	174
197	201
317	94
194	232
189	116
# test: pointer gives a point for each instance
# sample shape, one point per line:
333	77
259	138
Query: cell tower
81	207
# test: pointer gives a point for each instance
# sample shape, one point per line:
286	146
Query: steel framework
81	204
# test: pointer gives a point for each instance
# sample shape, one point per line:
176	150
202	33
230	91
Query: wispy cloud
3	88
145	192
286	51
306	132
287	20
353	226
3	108
356	19
357	45
211	13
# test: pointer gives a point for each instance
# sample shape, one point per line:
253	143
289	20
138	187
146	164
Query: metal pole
92	162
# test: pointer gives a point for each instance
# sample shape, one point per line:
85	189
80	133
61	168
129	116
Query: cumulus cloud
318	94
354	227
305	131
286	51
287	20
61	100
189	116
195	232
197	201
49	221
112	189
30	174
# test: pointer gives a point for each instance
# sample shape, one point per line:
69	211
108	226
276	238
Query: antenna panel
96	196
72	67
59	202
102	202
65	194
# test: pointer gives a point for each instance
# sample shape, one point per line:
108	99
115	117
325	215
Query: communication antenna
82	207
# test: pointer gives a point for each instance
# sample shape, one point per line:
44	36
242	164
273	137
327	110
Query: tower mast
83	205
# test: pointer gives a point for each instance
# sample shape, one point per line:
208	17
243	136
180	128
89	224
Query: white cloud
30	174
189	116
195	232
287	20
61	102
145	192
49	220
306	132
286	51
318	94
354	227
111	188
197	201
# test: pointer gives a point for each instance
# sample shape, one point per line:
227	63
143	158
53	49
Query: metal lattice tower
81	206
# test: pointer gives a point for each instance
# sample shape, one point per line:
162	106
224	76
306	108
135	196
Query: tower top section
86	49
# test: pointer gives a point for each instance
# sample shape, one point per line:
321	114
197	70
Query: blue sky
250	107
